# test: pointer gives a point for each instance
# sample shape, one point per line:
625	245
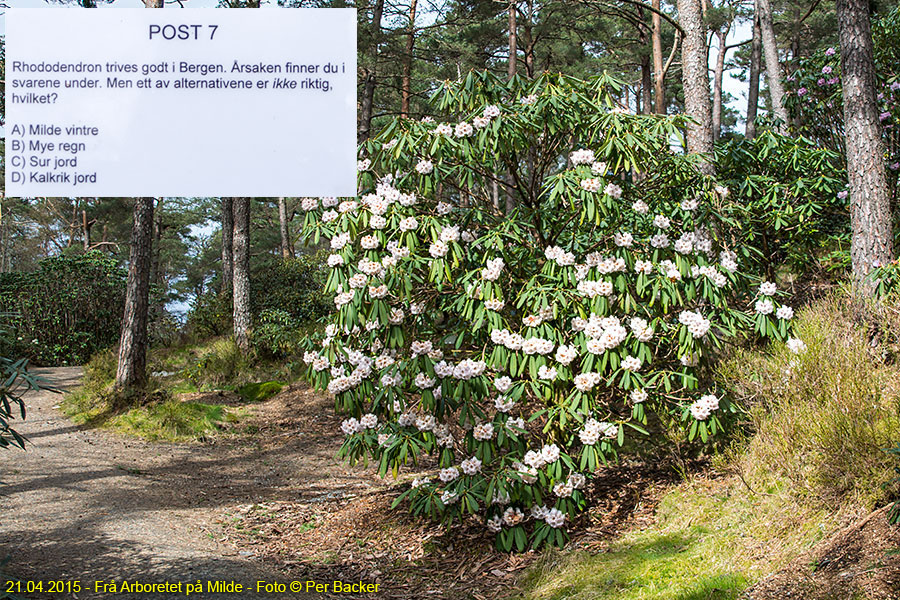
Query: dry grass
823	418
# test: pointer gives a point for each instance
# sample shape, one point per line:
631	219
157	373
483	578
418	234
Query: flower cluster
519	349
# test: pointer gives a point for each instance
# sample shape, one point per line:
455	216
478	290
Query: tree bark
241	280
753	92
645	97
719	74
659	88
86	229
513	49
529	39
406	85
364	127
131	371
511	72
870	210
773	68
157	307
287	249
227	245
695	77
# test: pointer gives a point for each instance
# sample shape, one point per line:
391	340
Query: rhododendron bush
521	347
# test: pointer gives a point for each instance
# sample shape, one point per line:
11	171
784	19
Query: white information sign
180	102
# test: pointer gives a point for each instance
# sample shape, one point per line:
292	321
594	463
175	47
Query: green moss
259	392
173	421
711	541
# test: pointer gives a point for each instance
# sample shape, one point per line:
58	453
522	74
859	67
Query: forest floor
267	500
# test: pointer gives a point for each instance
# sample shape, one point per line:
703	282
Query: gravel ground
90	505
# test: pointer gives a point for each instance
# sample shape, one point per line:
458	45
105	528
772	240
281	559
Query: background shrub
294	286
65	311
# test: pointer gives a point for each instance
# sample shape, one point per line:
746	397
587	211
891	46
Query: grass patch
153	415
259	392
712	539
174	421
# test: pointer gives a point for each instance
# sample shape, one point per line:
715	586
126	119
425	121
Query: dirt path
89	505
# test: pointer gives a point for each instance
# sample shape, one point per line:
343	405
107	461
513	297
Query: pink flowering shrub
815	94
520	348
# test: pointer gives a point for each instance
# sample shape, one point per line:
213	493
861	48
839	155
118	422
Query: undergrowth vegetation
160	413
822	418
711	539
812	455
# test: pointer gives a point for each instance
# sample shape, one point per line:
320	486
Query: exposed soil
267	502
861	561
90	505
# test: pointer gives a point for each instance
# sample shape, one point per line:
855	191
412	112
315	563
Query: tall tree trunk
529	39
513	46
870	209
721	36
86	229
156	276
364	127
660	77
287	249
644	99
695	77
131	371
241	281
753	92
511	72
227	245
406	85
773	68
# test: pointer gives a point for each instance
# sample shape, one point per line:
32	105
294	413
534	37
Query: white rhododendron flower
641	207
695	322
631	363
503	384
545	372
555	518
764	307
785	312
492	111
704	407
351	426
483	432
795	345
591	185
690	205
767	288
612	190
471	466
464	130
424	167
582	157
623	239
